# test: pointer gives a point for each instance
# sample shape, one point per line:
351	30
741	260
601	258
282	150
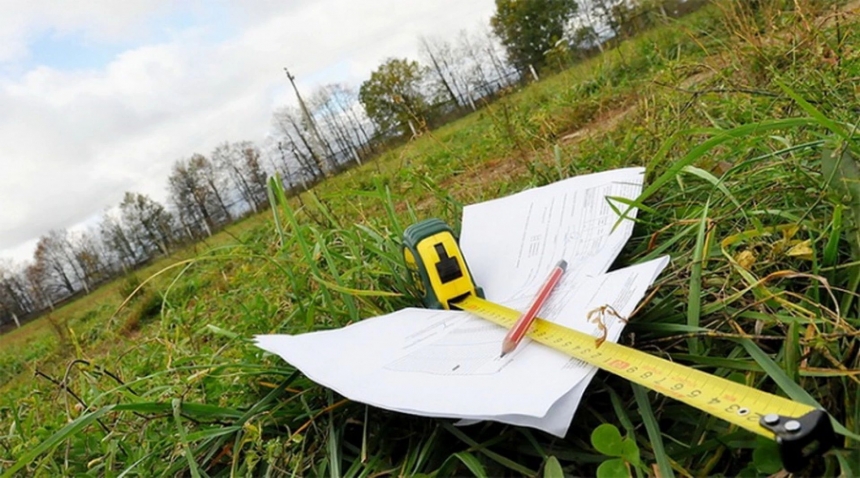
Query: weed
148	307
129	286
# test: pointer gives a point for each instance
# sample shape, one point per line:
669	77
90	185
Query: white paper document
447	363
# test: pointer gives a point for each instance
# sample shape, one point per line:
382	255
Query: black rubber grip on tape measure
447	267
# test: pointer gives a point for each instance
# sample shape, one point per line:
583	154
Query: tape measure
430	249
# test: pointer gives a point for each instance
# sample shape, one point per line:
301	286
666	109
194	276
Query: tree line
334	128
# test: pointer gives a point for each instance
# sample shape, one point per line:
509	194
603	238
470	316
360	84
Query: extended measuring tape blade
733	402
796	426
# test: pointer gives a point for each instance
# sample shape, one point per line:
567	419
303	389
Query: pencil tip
502	356
562	264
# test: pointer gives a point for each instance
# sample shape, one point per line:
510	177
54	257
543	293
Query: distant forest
334	128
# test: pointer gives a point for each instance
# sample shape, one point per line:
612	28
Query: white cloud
72	141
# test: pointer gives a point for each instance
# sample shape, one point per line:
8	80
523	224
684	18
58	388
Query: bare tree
286	170
588	33
194	192
149	224
115	237
484	71
475	79
607	13
89	255
54	256
37	277
223	156
287	121
213	179
257	176
439	55
189	226
336	107
345	100
490	47
241	164
16	299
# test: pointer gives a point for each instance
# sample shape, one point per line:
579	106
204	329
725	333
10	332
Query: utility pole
308	118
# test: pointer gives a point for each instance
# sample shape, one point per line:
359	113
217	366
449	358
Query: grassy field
746	127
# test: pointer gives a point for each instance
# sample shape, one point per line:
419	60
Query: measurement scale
802	432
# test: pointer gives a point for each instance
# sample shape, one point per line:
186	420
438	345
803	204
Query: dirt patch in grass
604	122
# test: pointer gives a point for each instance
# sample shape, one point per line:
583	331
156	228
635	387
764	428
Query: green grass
751	190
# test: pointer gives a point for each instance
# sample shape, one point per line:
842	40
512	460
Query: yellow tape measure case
430	249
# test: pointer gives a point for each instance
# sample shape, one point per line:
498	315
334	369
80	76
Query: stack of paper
447	363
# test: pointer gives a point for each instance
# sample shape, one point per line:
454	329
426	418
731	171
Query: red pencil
518	331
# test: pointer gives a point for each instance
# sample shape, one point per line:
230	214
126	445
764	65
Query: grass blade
717	183
814	112
77	426
275	192
791	388
183	438
334	457
694	297
490	454
716	140
472	463
653	429
786	384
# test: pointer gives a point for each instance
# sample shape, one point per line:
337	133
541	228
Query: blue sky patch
70	52
79	50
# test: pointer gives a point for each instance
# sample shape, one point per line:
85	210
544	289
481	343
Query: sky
99	97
